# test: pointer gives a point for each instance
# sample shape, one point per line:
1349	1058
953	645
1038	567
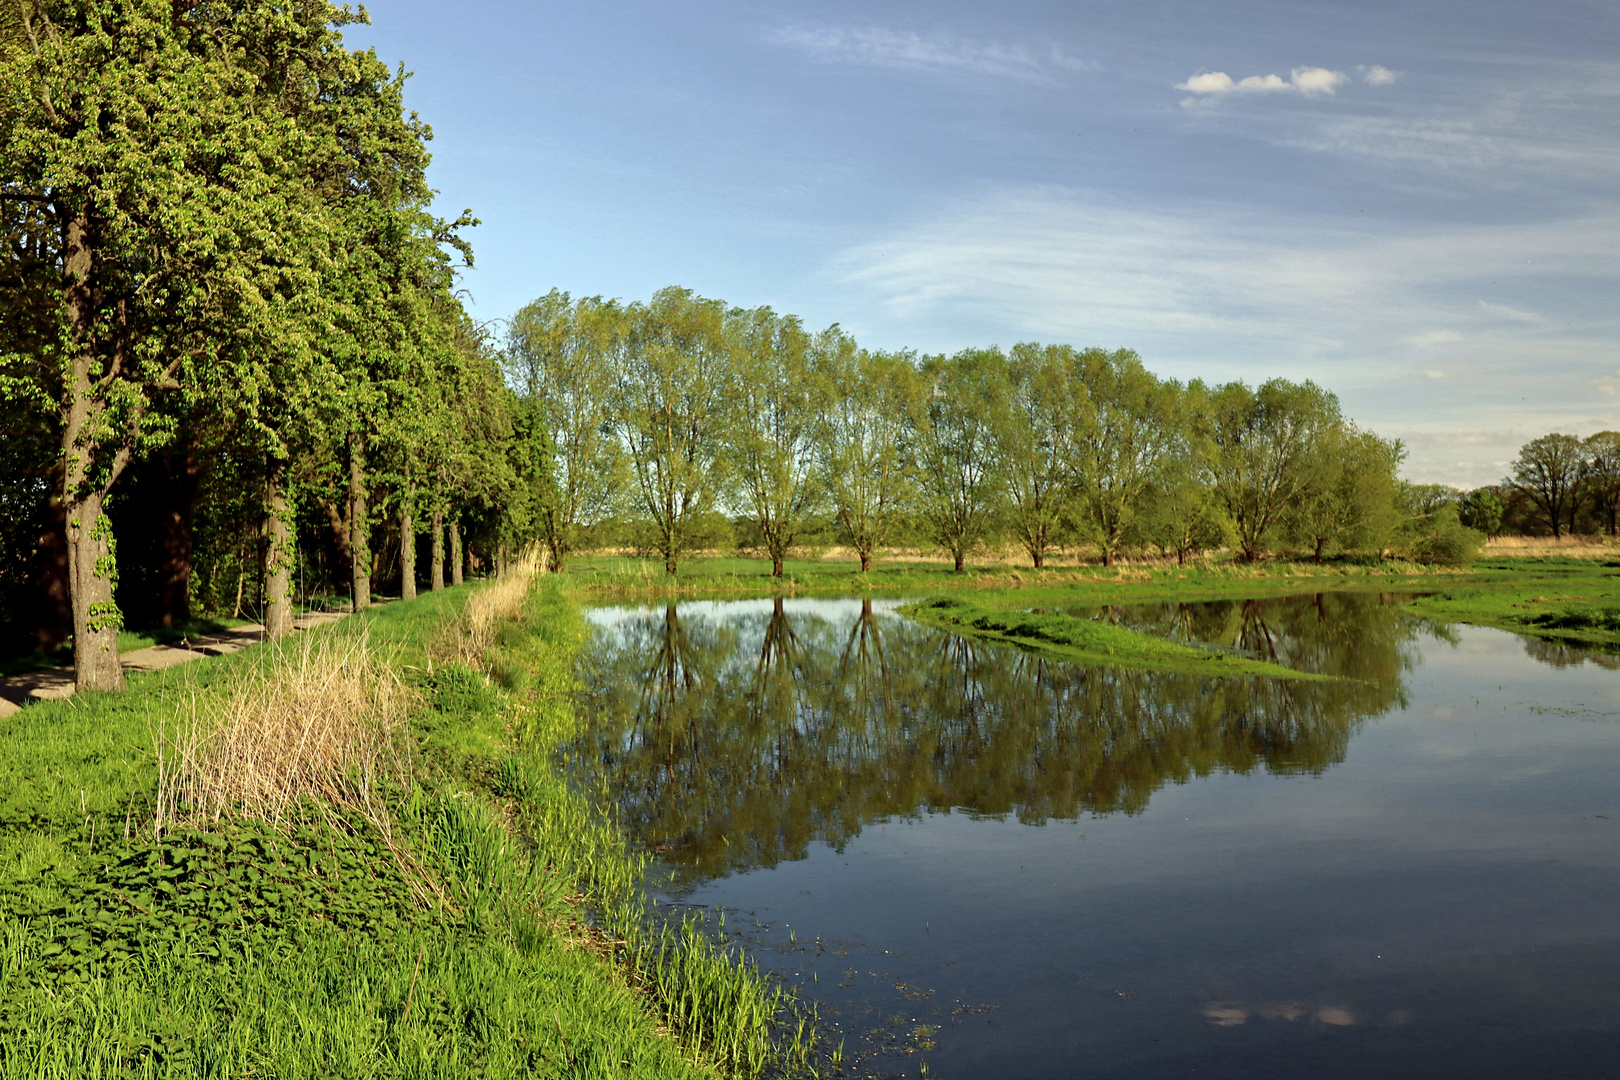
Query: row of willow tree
681	409
222	296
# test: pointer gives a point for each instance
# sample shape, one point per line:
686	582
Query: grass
478	919
1084	641
1574	600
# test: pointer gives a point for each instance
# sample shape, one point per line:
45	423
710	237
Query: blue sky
1415	204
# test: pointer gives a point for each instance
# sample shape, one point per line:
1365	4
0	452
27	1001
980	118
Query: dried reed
1570	547
499	601
320	720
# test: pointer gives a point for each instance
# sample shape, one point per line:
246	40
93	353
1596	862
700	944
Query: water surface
1005	866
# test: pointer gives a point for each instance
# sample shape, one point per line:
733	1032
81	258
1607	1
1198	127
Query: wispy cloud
1306	81
909	51
1512	314
1559	129
1378	75
1391	318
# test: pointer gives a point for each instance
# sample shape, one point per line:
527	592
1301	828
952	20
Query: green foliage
1547	471
960	491
1481	510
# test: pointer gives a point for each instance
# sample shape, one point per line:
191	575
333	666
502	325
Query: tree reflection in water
734	739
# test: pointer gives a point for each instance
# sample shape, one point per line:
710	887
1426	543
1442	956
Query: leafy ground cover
476	919
1085	641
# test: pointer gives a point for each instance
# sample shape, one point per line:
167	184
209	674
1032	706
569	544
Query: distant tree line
1558	485
232	362
670	417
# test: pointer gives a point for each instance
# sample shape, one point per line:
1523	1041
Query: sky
1416	204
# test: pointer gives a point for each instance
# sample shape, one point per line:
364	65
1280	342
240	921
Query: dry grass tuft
499	601
319	720
1569	547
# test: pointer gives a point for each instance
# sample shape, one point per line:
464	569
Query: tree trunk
92	570
456	554
92	575
1039	558
436	551
279	553
1108	556
776	566
407	544
958	556
1321	548
866	561
359	547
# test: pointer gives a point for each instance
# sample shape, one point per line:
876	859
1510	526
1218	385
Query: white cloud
1609	384
1379	75
938	54
1307	81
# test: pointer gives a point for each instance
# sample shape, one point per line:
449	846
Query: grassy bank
1085	641
1573	600
182	895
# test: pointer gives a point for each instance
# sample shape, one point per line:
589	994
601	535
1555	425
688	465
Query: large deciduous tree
1034	439
669	395
770	423
959	478
1603	474
1264	440
152	171
1548	470
870	406
1123	440
561	358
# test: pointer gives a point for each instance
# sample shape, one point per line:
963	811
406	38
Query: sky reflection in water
1412	869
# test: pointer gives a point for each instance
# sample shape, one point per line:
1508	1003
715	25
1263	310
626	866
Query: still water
997	865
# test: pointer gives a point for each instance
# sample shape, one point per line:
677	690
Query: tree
153	159
1348	500
1547	470
669	396
1603	474
770	421
959	476
1182	514
1482	509
1033	440
1121	442
562	356
1263	461
870	407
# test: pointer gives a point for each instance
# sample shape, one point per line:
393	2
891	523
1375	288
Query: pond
991	864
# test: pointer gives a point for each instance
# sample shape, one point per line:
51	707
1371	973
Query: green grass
1566	600
1085	641
490	924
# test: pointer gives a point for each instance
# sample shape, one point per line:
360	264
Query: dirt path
50	684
